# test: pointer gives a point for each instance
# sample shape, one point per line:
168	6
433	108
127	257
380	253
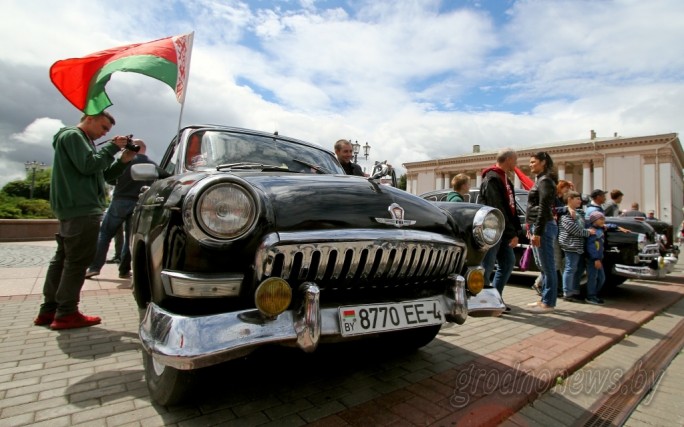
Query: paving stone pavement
479	373
568	401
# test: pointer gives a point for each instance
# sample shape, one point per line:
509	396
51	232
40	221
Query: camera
130	145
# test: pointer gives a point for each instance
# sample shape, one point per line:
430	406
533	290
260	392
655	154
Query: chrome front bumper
185	342
665	266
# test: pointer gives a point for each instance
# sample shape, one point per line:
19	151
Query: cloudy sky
416	79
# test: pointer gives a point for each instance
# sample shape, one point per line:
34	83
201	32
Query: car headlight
488	226
641	241
219	209
225	211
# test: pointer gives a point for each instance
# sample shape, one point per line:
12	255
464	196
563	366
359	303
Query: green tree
15	202
401	184
17	189
22	188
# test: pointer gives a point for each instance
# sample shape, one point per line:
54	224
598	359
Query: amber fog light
273	296
475	280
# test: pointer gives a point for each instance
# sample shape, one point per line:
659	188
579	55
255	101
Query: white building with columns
647	169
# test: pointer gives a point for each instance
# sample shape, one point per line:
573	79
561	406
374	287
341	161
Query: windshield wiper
312	166
252	165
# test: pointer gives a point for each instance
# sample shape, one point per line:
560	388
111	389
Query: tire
612	280
167	386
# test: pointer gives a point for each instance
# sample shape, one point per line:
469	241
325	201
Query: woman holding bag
542	228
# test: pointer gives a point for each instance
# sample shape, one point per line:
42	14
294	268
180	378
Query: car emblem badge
397	220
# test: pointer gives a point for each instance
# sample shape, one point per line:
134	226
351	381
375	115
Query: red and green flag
82	81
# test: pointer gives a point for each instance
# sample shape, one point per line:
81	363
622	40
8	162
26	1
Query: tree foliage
15	202
401	182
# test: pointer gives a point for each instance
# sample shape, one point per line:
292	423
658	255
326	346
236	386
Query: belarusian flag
82	80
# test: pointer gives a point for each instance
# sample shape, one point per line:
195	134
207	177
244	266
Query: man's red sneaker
75	320
44	319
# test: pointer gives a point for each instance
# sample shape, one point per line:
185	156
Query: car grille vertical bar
325	252
354	266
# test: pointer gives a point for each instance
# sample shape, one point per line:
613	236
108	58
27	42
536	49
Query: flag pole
180	117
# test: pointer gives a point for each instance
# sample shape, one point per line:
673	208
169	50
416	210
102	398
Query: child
571	240
461	186
595	273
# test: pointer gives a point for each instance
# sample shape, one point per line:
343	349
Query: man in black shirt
345	153
119	213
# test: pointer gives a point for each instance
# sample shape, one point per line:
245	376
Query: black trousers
76	245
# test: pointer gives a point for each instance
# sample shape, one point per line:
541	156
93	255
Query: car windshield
208	149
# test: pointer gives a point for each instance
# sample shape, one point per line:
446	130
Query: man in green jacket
78	199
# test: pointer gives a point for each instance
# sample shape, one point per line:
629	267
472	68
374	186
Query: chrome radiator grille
340	262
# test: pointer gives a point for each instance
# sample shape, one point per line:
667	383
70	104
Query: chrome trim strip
167	276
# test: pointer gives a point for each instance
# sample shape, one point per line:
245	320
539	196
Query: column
438	181
478	180
447	180
586	178
561	171
598	174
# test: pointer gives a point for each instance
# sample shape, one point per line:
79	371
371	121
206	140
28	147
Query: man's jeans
505	257
595	279
76	242
119	212
574	267
544	257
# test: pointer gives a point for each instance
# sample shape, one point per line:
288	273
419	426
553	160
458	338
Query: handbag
526	259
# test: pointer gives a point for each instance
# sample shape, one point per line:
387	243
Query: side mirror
144	172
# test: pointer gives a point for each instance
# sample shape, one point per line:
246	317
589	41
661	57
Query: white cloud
39	131
416	79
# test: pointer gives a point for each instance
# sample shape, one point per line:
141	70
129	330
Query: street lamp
33	166
366	150
356	147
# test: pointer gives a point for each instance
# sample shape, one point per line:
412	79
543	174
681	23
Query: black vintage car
259	239
641	254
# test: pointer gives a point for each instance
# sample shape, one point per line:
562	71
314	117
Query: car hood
318	202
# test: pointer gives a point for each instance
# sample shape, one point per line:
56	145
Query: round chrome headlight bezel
220	209
488	227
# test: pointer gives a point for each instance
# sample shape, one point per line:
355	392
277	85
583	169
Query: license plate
366	319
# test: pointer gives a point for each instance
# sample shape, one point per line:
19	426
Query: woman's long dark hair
543	156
